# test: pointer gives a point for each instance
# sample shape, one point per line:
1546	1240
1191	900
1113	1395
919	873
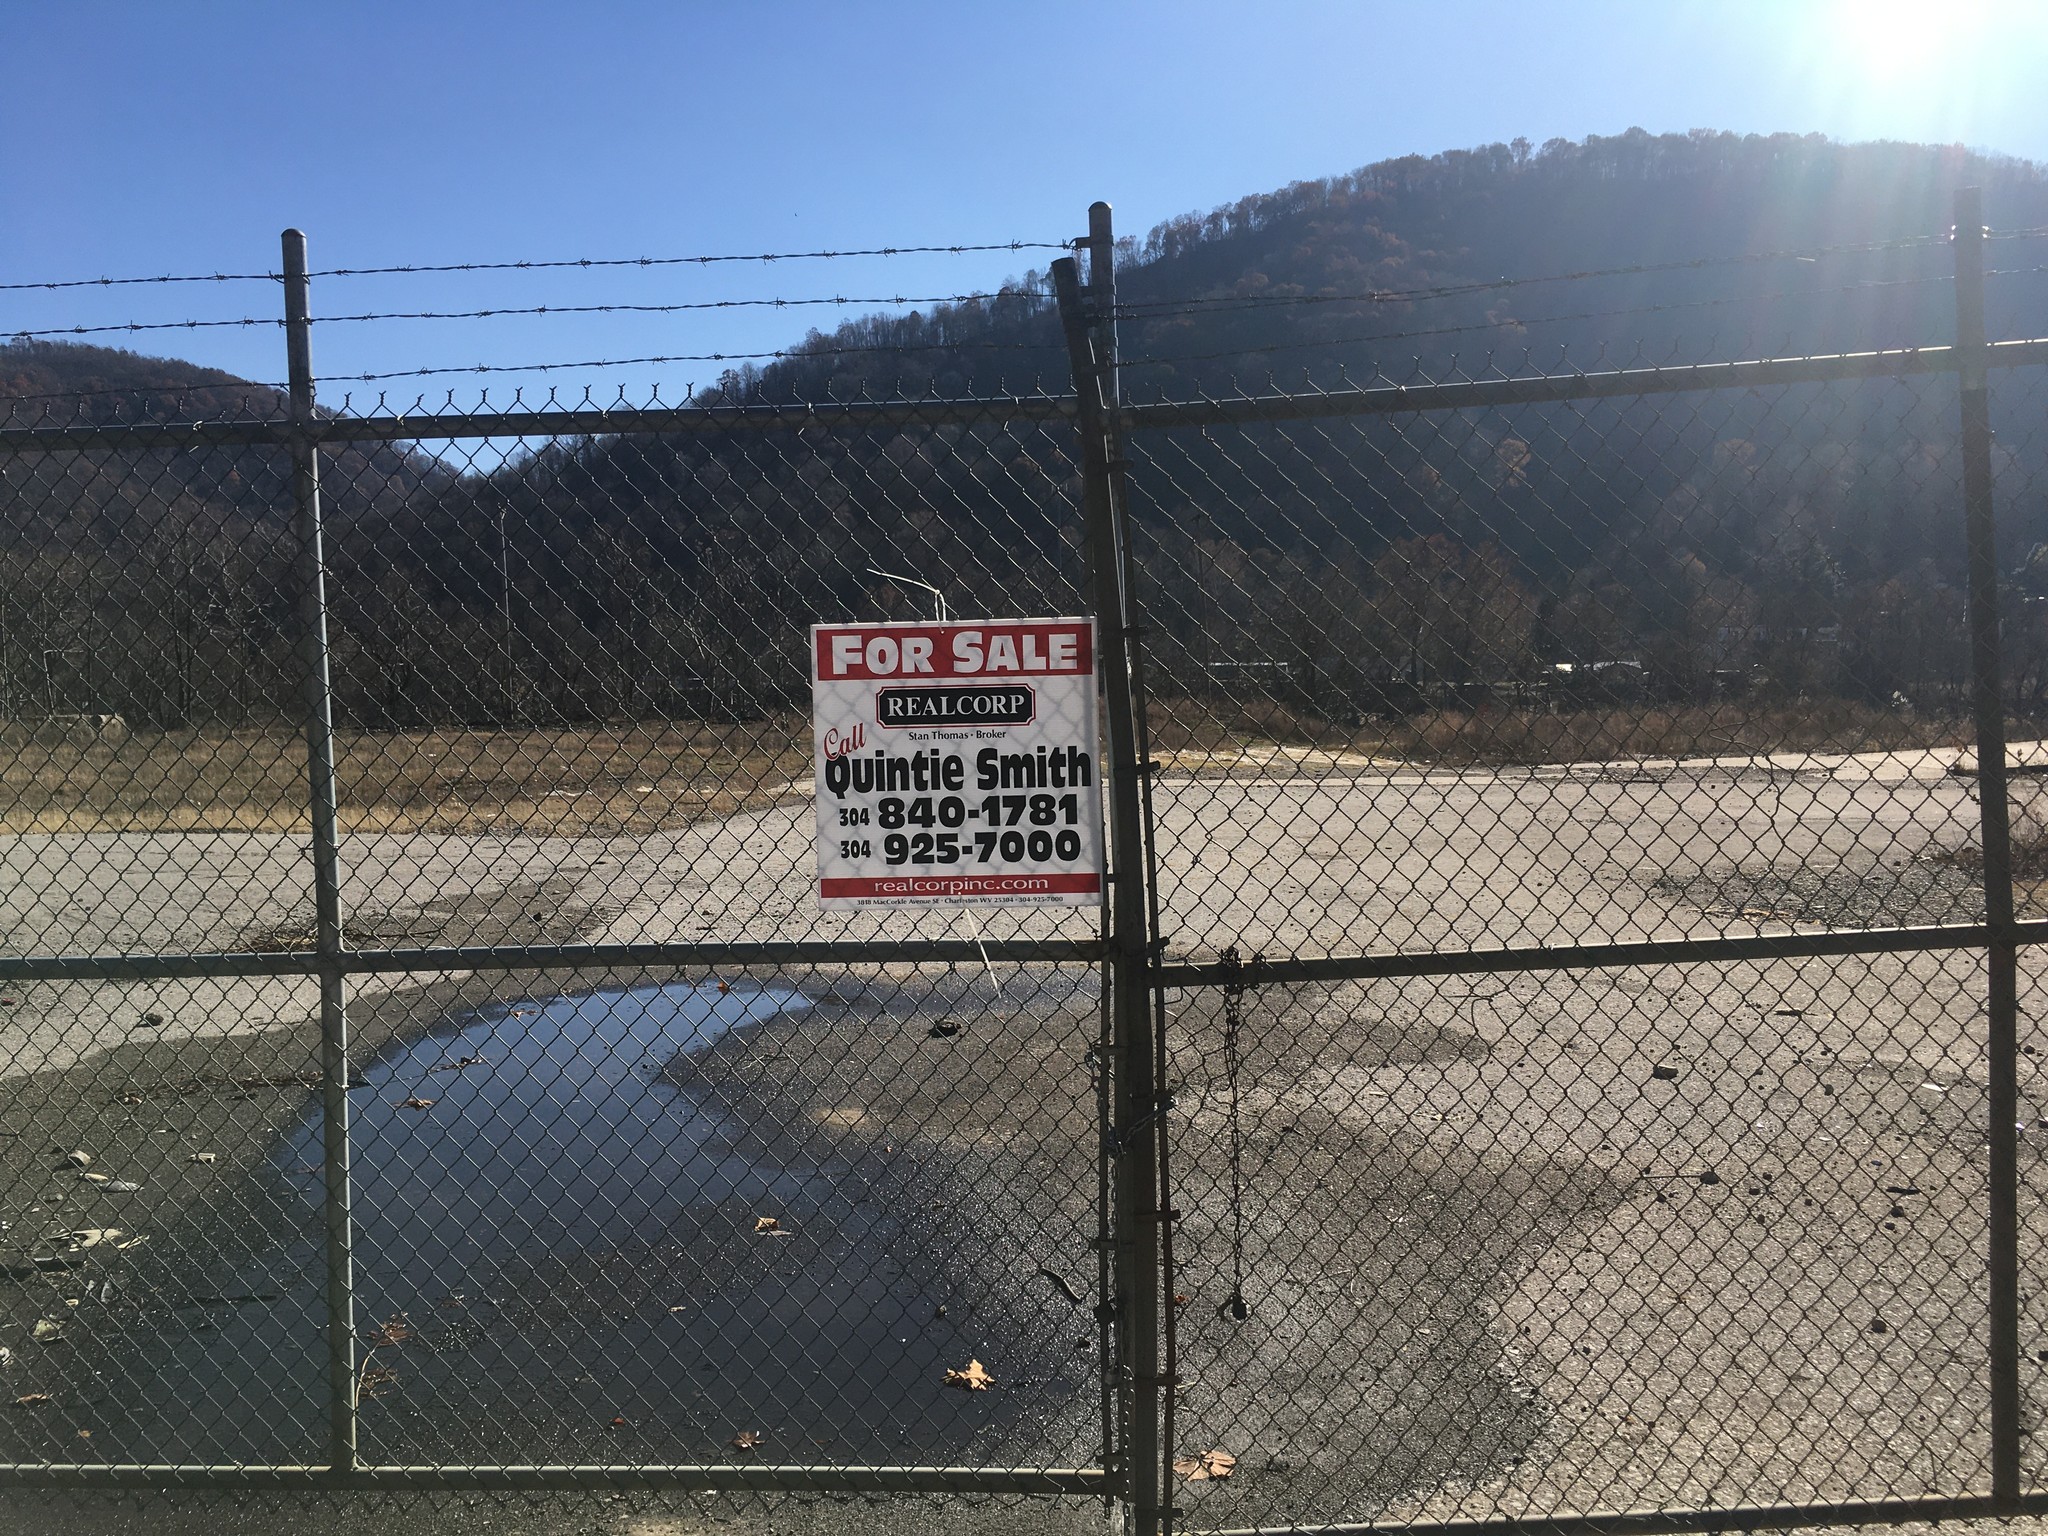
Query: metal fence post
1102	292
1135	1102
2002	1032
319	707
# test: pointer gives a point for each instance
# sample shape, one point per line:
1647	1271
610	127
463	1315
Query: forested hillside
1372	252
1796	542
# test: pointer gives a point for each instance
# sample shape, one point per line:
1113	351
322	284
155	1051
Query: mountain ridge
1798	538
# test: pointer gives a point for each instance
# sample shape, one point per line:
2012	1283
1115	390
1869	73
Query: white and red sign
958	763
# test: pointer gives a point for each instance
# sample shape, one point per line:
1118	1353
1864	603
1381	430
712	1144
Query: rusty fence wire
1559	1048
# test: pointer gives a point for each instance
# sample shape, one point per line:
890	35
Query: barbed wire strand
1167	308
798	353
1147	309
785	354
1515	323
544	266
1139	308
536	309
594	262
128	282
781	354
701	261
175	392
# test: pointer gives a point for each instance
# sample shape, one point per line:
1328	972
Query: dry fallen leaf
1210	1466
747	1439
619	1424
418	1103
766	1224
31	1399
973	1379
393	1330
1181	1298
376	1381
85	1434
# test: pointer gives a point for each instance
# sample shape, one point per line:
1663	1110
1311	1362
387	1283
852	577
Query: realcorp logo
955	706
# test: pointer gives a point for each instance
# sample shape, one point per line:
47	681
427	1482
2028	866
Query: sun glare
1888	40
1915	63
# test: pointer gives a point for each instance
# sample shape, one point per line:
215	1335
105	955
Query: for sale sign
958	763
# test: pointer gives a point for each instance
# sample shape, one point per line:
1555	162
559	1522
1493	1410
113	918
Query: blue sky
181	138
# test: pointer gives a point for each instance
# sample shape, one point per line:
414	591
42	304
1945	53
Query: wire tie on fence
1118	1134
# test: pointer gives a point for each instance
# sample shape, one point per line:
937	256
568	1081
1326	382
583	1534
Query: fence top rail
1375	400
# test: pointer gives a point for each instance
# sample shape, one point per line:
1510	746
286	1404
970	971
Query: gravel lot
1564	1239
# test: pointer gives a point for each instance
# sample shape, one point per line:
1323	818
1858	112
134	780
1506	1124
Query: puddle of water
570	1238
545	1123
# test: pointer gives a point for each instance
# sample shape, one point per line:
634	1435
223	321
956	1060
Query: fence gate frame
333	961
1105	421
1136	1127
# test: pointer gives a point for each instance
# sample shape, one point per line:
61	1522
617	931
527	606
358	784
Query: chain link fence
655	1174
1548	1055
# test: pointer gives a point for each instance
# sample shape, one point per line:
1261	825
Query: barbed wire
1139	309
595	262
127	282
676	309
702	261
797	353
173	392
1143	310
584	262
140	325
783	354
1512	323
535	309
